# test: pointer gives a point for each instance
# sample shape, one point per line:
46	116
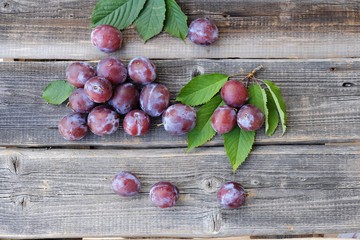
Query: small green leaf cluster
150	17
203	91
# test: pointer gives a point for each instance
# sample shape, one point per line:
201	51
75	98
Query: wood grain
322	98
292	190
248	29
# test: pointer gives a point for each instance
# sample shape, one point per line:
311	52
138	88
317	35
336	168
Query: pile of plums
103	95
248	117
165	194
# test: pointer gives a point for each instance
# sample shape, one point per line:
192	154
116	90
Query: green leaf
238	144
203	130
279	102
151	19
57	92
118	13
201	89
176	20
257	97
273	118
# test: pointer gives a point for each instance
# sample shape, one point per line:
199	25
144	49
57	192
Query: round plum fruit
136	123
113	70
73	126
106	38
179	119
234	93
231	195
125	98
202	31
154	99
223	119
142	70
98	89
80	102
78	73
250	118
164	194
103	121
125	184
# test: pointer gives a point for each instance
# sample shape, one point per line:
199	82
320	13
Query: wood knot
5	7
211	184
197	71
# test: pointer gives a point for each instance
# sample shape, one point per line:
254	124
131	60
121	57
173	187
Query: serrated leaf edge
268	132
183	100
157	32
281	112
113	20
190	148
236	165
177	7
264	103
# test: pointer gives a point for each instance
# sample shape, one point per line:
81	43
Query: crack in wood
215	222
22	202
14	165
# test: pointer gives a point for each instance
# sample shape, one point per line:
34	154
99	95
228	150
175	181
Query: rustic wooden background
306	182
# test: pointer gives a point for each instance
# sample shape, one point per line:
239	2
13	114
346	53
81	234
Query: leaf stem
236	75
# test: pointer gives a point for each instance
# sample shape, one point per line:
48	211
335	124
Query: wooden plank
292	190
322	97
287	237
233	238
249	29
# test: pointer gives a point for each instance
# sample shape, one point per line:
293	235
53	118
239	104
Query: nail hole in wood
255	182
332	69
348	84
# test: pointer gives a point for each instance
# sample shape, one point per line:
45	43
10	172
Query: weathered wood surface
322	96
45	29
292	190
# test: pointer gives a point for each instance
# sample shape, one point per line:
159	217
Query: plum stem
253	72
251	75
